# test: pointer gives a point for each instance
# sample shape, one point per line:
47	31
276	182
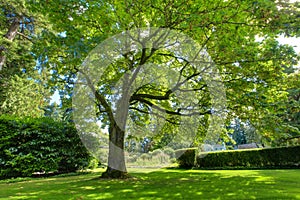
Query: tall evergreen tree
22	79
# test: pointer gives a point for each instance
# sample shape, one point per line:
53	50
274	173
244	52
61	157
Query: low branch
290	138
25	36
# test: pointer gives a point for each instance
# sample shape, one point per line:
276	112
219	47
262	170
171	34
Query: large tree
239	36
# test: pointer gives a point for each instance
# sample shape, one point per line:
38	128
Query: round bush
39	145
156	152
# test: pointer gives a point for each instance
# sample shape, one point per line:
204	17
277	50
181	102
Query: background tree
243	133
290	133
293	108
24	97
22	80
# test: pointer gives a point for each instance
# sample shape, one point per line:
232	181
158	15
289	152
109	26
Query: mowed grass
161	184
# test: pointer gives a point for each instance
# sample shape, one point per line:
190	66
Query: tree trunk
2	58
10	35
116	158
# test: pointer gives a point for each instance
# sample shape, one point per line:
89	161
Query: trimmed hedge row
186	157
39	145
282	157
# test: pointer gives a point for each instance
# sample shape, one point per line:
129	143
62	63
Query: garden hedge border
186	157
280	157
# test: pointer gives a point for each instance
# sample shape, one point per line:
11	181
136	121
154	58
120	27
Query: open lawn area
160	184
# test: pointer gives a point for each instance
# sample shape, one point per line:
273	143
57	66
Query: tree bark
2	57
10	35
116	157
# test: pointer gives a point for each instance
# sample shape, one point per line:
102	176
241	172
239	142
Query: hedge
186	157
39	145
281	157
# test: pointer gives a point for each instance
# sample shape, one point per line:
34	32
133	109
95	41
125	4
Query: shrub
161	158
39	145
156	152
145	156
169	151
186	157
132	158
94	163
282	157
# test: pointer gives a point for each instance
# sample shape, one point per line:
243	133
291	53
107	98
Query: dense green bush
283	157
39	145
186	157
256	158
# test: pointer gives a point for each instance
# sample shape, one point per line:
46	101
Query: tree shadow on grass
166	184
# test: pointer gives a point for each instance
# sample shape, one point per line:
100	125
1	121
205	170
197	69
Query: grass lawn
161	184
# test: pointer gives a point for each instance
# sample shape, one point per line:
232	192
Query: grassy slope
162	184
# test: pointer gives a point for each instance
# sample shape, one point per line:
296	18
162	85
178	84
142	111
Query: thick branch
100	98
167	94
290	138
170	112
153	113
13	29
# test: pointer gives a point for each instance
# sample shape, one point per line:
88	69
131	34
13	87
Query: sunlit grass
161	184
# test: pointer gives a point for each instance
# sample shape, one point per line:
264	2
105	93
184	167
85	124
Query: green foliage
94	163
24	97
23	90
186	157
156	158
169	151
39	145
228	29
257	158
229	147
149	160
291	116
145	156
156	152
242	132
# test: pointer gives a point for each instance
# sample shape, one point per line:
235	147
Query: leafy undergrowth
160	184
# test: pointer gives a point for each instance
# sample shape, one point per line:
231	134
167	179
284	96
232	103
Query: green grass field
161	184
